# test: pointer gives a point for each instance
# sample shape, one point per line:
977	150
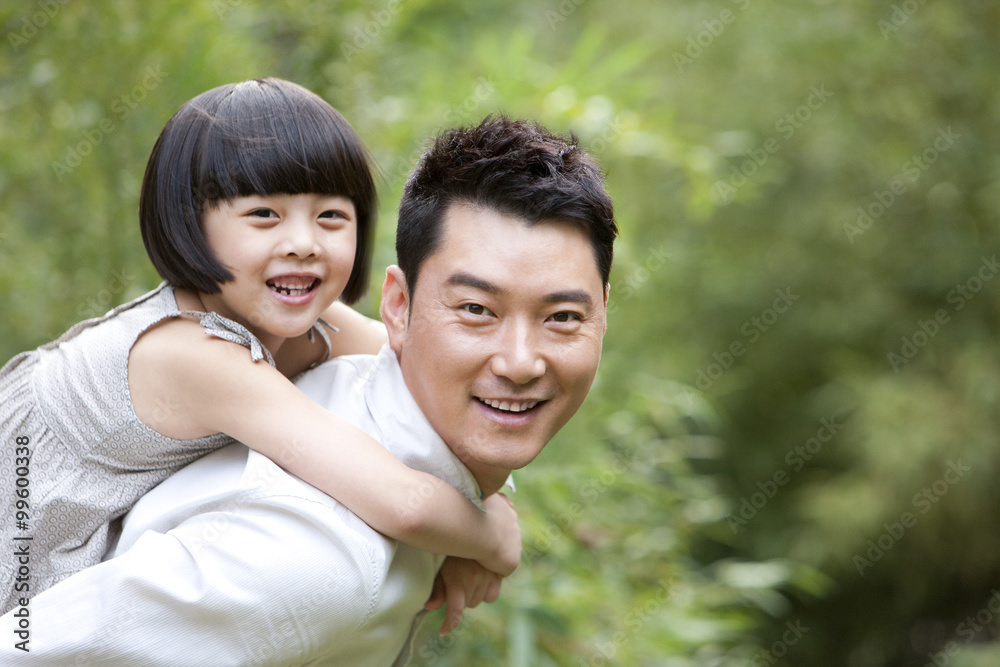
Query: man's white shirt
233	561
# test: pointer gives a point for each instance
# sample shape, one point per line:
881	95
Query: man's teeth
509	406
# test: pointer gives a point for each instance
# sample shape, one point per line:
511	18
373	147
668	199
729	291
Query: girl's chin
289	332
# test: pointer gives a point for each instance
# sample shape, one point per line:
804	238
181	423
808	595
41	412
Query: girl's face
290	256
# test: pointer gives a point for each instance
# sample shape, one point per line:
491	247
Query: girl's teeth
291	290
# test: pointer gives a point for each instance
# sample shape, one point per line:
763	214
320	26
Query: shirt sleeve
196	595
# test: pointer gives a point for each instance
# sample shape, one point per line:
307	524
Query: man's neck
489	478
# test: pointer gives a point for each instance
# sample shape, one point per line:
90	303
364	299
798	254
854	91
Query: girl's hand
462	584
502	519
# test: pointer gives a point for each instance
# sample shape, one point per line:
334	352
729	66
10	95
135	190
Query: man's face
502	338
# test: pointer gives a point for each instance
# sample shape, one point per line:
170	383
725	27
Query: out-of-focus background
790	456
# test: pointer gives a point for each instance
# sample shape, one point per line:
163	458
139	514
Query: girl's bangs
281	146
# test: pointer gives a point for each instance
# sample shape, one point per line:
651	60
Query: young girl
257	209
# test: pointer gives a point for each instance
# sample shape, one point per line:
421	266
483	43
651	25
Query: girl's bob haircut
259	137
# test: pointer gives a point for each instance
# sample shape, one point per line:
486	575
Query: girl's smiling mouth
294	290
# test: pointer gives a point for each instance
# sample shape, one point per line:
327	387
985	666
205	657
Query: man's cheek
584	378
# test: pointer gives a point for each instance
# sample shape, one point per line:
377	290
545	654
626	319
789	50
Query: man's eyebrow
571	296
462	279
566	296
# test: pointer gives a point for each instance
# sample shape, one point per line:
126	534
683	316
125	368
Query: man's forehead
473	234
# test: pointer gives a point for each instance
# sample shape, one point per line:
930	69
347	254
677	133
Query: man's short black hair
515	167
258	137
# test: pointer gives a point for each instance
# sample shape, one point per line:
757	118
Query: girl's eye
332	214
263	213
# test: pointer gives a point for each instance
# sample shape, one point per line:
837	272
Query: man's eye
566	316
475	309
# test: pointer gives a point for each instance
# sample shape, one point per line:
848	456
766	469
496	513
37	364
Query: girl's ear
395	306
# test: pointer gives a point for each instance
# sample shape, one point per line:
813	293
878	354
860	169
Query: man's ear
395	306
607	293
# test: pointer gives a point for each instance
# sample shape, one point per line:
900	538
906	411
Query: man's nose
519	358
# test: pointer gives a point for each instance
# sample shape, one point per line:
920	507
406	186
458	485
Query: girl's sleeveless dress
72	449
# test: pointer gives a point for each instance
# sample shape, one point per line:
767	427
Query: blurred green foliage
789	455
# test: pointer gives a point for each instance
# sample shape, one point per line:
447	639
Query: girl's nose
300	239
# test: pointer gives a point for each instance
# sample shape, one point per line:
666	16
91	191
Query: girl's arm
212	387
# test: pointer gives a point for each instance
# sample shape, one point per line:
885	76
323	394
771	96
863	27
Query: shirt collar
405	430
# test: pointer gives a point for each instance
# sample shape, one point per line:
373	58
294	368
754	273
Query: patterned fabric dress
73	455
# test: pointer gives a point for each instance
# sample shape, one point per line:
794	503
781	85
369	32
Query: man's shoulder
327	382
350	364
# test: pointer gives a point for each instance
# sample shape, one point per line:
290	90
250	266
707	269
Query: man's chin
506	459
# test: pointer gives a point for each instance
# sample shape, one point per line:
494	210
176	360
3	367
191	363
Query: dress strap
320	327
226	329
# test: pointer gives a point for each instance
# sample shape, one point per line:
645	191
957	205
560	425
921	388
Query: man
495	317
